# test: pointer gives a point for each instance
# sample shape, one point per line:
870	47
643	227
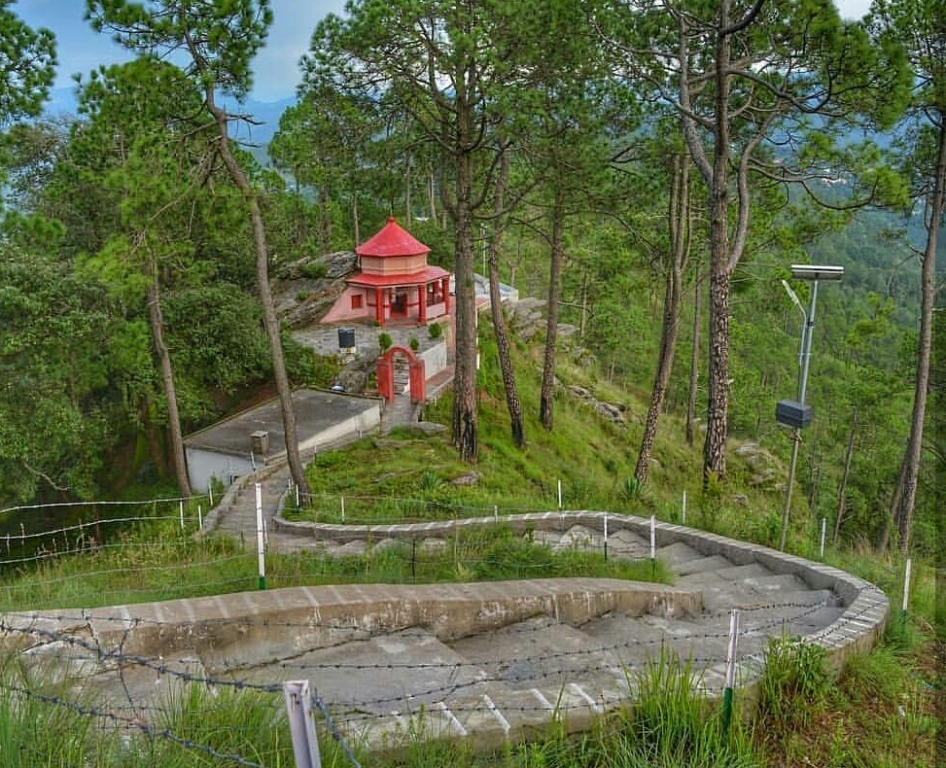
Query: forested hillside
650	169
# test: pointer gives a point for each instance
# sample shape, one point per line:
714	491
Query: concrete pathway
386	681
236	513
492	661
393	682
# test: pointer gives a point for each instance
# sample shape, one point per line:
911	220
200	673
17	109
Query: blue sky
276	67
79	49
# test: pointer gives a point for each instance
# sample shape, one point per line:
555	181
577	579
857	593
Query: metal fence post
730	669
260	544
305	743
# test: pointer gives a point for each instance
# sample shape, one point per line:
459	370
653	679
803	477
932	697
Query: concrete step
534	652
741	586
678	553
624	543
494	715
699	566
579	537
403	671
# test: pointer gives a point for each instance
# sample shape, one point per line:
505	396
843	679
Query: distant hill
62	102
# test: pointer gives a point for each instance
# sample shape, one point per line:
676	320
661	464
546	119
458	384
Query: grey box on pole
346	339
260	441
793	414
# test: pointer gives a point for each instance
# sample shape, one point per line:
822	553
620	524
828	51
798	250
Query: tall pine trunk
513	403
167	381
465	418
270	321
678	214
694	358
903	502
842	488
551	328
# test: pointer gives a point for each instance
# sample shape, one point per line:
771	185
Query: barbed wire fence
175	523
460	694
155	541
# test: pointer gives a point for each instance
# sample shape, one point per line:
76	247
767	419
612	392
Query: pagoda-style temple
393	282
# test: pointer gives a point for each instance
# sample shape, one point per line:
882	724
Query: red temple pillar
379	306
422	303
418	381
385	371
446	295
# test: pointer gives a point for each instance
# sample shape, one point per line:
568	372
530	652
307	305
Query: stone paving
492	661
499	682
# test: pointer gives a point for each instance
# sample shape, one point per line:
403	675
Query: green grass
878	711
668	726
172	566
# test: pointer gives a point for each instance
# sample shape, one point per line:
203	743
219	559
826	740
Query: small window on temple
356	300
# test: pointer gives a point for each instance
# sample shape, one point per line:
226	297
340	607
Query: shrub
314	270
385	341
435	330
414	343
794	685
430	480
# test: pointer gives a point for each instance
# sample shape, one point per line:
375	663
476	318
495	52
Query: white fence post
305	743
906	585
605	536
260	544
730	669
653	543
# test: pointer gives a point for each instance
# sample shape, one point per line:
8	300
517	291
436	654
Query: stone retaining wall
857	629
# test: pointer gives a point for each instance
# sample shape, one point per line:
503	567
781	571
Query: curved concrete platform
488	660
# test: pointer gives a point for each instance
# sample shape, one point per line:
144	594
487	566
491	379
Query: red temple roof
429	275
392	240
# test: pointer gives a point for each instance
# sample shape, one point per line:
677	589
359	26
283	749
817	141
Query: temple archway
416	373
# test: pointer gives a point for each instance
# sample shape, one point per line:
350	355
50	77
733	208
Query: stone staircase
492	661
502	683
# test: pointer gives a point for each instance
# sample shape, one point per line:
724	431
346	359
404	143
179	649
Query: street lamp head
817	272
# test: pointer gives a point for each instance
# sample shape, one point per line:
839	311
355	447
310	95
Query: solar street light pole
813	274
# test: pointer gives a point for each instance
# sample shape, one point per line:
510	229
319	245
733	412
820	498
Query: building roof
392	240
316	411
430	274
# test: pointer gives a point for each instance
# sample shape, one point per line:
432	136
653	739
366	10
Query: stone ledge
866	606
324	616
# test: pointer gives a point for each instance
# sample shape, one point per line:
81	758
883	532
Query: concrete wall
857	629
239	624
435	359
355	426
203	464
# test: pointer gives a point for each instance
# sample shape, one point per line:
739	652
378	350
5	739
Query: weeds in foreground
671	724
878	712
794	686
